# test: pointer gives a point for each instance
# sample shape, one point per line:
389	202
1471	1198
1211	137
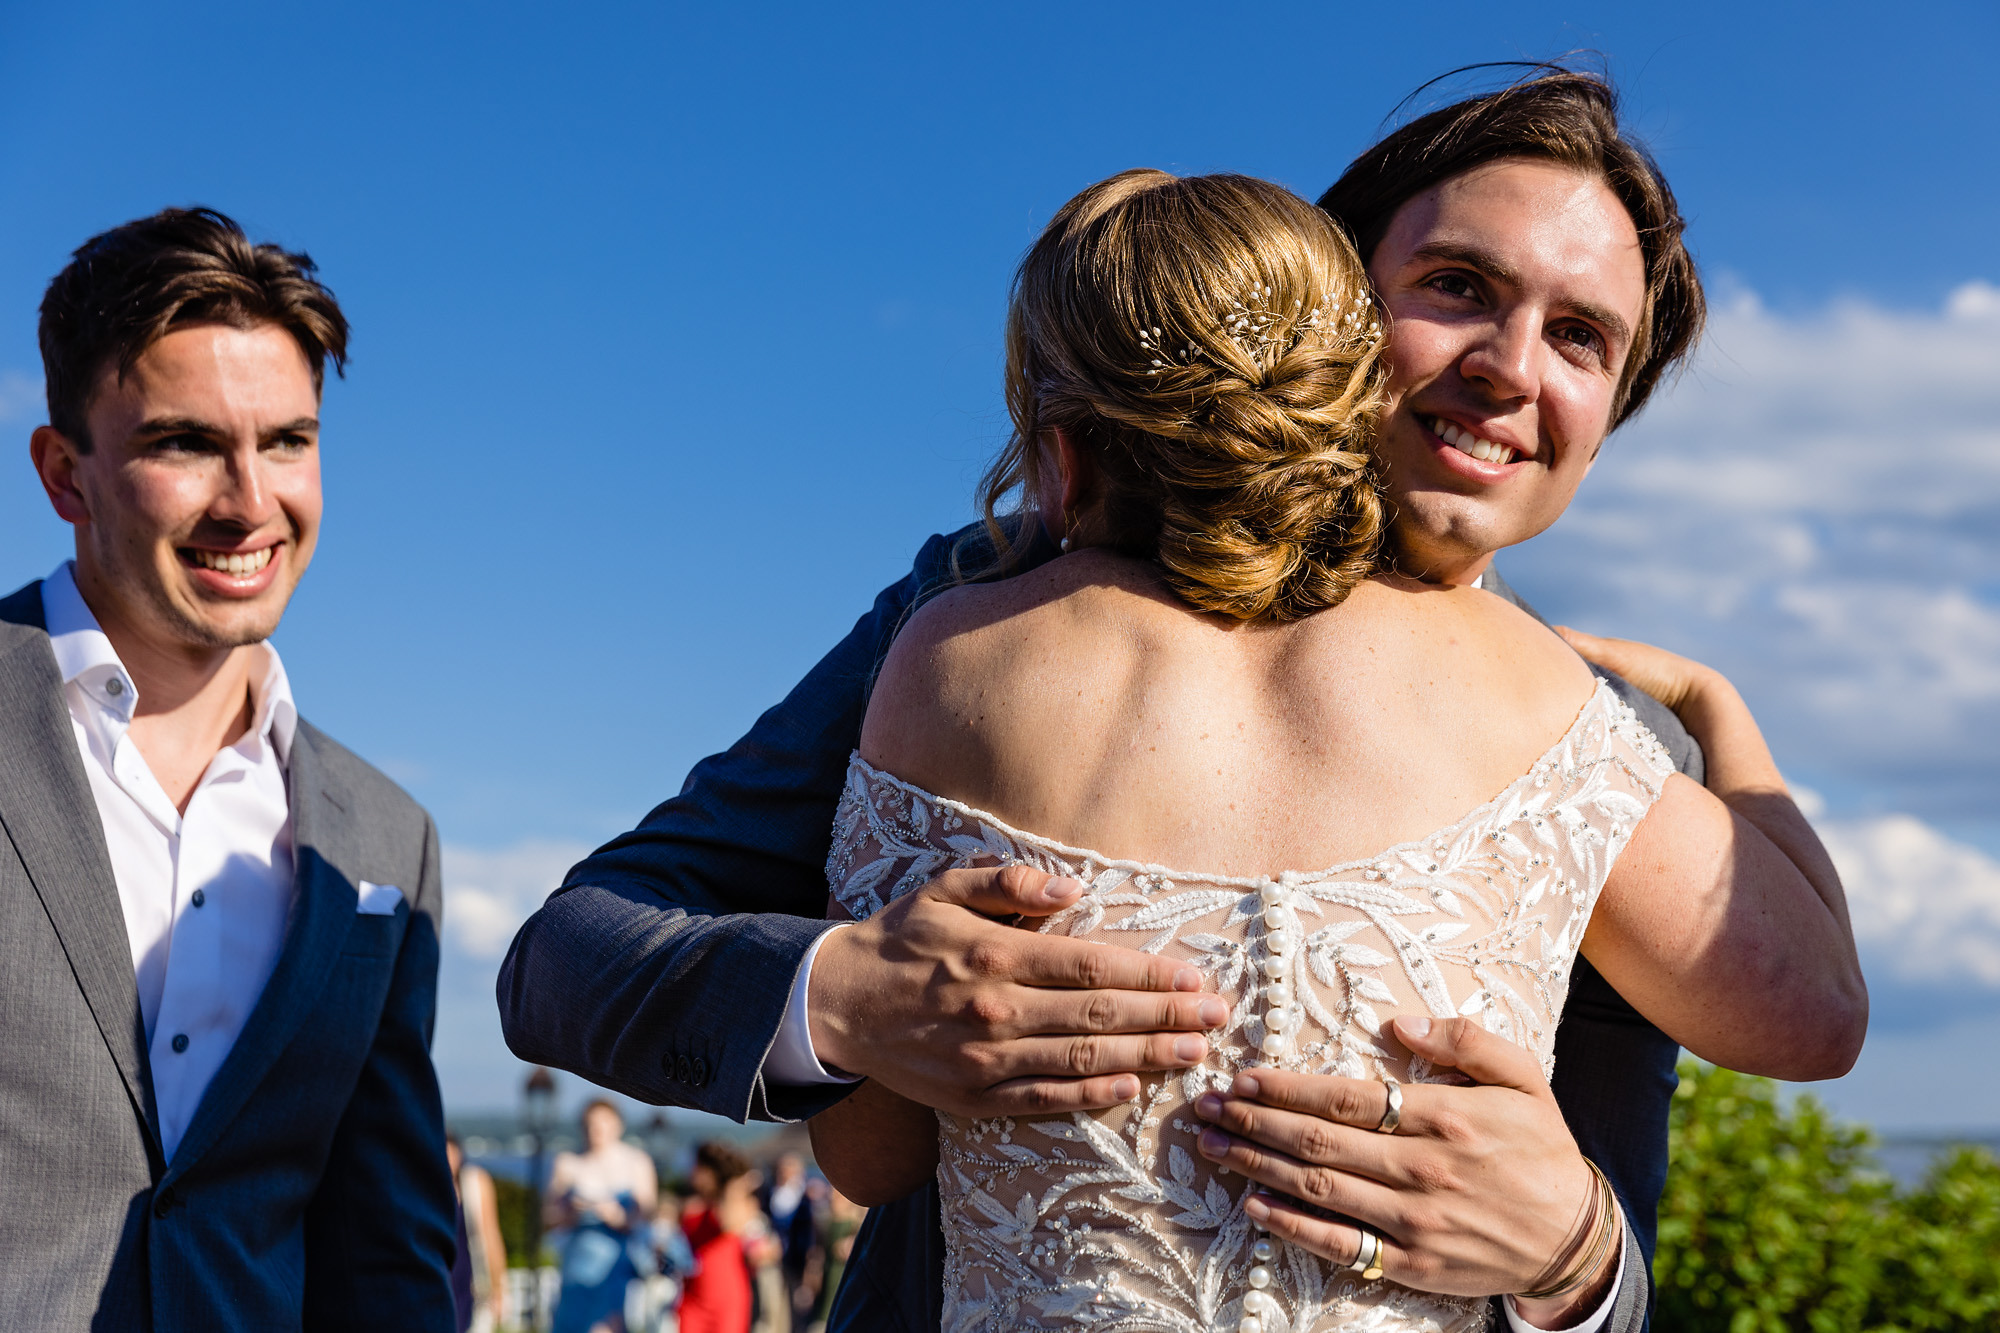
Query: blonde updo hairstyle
1211	346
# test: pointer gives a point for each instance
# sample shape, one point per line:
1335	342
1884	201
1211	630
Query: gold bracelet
1600	1230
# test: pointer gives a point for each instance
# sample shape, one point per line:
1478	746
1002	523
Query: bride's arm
874	1145
1724	921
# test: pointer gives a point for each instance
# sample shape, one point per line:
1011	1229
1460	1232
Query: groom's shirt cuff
791	1060
1590	1325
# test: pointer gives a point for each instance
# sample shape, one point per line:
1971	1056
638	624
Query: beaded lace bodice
1112	1221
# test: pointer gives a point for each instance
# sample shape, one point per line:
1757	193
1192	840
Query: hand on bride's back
1475	1192
1668	677
937	997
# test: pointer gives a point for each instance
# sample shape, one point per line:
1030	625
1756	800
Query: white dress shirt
206	894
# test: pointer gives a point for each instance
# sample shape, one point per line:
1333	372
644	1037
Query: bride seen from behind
1220	690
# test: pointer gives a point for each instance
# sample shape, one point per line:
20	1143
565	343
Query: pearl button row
1281	1020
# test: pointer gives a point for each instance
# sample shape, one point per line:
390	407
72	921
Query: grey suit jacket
310	1190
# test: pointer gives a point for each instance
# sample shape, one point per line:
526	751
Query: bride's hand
1672	679
1474	1194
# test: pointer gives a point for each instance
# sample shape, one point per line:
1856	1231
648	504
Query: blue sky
677	330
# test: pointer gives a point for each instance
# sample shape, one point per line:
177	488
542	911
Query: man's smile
1466	453
234	573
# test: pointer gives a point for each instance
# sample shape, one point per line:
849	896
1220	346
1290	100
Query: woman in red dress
717	1298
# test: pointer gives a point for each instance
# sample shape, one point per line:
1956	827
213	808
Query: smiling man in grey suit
217	1107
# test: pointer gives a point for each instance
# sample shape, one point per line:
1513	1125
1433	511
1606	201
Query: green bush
518	1205
1776	1218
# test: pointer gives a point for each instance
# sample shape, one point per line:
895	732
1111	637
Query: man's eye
1583	339
1453	284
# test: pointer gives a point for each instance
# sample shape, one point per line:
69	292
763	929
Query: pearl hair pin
1256	326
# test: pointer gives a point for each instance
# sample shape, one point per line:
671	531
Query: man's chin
229	626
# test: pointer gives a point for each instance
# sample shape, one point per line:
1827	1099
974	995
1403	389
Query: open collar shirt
207	894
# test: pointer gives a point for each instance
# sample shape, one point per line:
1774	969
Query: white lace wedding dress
1112	1221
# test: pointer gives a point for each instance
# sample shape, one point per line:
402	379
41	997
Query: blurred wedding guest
479	1277
792	1205
843	1220
717	1297
770	1294
604	1197
217	1107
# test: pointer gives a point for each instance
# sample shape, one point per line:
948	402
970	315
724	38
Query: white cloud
489	893
1926	908
1815	509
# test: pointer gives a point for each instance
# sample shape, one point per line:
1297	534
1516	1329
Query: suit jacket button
683	1072
700	1072
163	1201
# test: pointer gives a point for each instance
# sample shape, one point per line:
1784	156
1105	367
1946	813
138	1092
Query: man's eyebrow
1480	261
1492	266
196	426
177	426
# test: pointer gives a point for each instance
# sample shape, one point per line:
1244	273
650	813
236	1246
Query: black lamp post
538	1118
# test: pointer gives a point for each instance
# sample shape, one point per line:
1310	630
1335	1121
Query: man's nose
245	498
1508	361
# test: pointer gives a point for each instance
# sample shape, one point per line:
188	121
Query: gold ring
1392	1116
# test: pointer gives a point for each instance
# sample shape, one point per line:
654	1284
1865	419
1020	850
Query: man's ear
56	459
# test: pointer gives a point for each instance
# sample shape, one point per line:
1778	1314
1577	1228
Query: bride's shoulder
971	621
964	656
1465	631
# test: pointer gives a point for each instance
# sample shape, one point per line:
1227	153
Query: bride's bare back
1089	705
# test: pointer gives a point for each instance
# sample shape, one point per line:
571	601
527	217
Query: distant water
1907	1157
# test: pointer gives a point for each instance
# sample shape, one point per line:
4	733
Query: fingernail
1208	1106
1124	1089
1245	1085
1189	1049
1415	1027
1214	1144
1187	978
1061	889
1212	1013
1257	1209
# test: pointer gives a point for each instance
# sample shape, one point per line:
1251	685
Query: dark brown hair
1555	115
126	288
723	1160
1210	343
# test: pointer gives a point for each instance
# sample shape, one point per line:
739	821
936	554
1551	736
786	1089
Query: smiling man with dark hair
217	1109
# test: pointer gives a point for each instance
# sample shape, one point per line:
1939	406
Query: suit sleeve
380	1234
662	966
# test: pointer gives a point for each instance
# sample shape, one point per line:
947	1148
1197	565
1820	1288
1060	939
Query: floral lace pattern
1112	1221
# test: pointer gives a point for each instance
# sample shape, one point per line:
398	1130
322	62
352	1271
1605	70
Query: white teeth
1467	443
234	564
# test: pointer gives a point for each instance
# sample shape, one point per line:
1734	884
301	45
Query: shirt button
199	898
114	687
180	1042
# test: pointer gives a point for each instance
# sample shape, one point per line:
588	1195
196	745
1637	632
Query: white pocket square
377	899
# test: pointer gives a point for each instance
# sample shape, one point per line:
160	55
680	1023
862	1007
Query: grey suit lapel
51	818
322	915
